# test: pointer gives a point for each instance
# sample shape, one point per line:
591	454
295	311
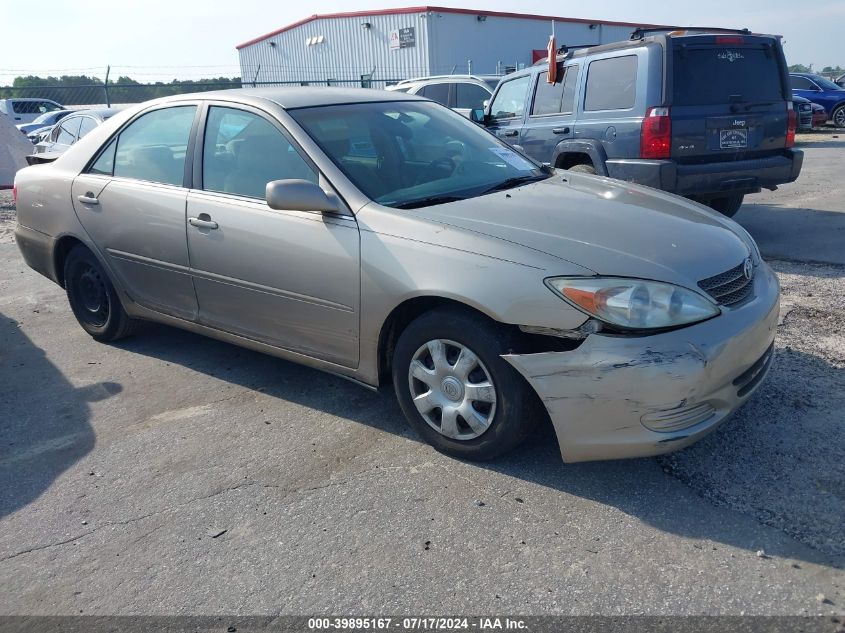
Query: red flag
552	48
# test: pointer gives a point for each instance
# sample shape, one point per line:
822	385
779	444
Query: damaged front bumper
635	396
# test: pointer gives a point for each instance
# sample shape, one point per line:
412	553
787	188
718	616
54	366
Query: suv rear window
717	75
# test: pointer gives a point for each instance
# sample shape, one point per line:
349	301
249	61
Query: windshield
826	83
414	153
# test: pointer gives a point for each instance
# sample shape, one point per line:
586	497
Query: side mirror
298	195
477	116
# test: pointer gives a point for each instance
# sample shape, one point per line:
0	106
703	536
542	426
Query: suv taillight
15	193
791	125
656	134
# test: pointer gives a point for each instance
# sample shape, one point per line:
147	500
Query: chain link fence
86	91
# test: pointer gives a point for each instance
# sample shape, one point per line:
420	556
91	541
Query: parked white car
462	93
27	110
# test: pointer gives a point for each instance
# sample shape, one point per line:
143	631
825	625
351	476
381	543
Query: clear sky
164	39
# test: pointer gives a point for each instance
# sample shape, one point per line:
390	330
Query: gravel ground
780	459
7	217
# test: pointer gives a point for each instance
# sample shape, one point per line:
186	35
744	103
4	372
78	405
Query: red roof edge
427	9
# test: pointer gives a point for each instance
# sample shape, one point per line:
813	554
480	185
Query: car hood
608	226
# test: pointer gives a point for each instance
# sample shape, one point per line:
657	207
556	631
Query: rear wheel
93	299
838	116
583	168
727	205
455	389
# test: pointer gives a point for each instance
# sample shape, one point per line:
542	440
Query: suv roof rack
462	75
640	33
563	50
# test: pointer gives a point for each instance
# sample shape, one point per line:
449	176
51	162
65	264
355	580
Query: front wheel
455	389
728	205
838	116
93	299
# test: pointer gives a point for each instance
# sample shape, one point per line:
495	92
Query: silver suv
462	93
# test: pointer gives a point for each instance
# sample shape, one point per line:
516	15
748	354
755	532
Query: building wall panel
348	50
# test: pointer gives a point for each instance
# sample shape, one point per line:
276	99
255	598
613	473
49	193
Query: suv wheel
838	116
727	205
583	168
93	299
455	389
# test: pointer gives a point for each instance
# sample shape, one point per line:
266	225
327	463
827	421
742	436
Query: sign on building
403	38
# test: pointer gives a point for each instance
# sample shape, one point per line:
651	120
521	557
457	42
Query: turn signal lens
634	303
791	125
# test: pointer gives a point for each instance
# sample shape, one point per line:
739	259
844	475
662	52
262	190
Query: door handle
560	130
203	222
88	198
510	133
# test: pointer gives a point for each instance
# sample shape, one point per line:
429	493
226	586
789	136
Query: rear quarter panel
618	131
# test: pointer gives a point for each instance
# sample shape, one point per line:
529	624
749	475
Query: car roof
292	97
29	99
482	78
103	113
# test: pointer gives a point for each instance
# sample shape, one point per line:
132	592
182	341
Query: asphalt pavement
173	474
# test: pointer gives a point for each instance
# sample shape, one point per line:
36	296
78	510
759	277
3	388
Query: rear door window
436	92
611	84
509	101
547	97
153	146
710	75
557	98
470	96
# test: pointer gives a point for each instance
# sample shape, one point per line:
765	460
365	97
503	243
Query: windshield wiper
510	183
427	202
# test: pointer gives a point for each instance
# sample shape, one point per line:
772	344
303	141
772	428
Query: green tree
801	68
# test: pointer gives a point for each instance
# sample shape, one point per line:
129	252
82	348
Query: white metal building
395	44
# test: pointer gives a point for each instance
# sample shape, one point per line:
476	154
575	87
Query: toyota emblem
748	268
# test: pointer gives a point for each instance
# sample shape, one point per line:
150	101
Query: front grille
730	287
752	376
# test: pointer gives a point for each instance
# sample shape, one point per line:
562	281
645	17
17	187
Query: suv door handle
88	198
560	130
510	133
203	222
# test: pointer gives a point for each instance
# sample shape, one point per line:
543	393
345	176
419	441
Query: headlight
634	303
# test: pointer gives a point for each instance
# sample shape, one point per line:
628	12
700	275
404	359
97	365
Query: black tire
93	299
727	205
517	408
583	168
838	116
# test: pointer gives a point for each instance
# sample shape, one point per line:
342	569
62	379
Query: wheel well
62	248
399	319
407	311
565	161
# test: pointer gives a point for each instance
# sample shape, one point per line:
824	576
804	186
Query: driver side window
509	101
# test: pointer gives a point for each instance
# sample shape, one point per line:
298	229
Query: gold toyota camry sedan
385	238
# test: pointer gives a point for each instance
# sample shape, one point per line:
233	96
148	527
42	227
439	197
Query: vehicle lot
175	474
